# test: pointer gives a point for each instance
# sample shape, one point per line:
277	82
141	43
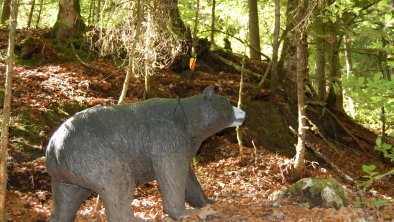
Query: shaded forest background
317	89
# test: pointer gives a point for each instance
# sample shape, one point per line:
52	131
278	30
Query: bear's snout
239	116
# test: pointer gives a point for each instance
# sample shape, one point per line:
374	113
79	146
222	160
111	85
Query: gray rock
325	193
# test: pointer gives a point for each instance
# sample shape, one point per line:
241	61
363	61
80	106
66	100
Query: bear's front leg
195	195
171	172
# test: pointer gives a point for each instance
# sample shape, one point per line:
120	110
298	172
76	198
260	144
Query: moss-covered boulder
315	192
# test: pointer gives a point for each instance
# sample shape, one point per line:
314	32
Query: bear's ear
208	92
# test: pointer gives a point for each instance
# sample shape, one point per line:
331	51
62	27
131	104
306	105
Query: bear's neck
191	110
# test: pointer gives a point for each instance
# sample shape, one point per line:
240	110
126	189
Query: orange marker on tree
193	63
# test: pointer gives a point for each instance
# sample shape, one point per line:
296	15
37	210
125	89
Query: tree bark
335	97
98	10
39	13
195	29
91	8
349	70
7	112
33	4
288	62
176	24
302	73
302	57
213	20
275	47
320	58
69	23
5	15
254	32
238	129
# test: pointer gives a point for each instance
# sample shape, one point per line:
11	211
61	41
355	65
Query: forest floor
48	92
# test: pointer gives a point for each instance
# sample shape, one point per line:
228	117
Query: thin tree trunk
349	69
7	112
335	98
348	56
213	20
239	128
288	59
195	30
302	73
301	69
147	50
321	60
5	15
33	4
39	13
254	32
98	10
91	5
275	47
131	54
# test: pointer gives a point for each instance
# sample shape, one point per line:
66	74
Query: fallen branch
320	155
243	42
84	64
346	130
236	66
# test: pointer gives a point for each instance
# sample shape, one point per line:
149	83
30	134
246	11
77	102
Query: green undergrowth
31	129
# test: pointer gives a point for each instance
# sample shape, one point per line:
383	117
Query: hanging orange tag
192	63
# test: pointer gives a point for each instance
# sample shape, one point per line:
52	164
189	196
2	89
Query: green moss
310	190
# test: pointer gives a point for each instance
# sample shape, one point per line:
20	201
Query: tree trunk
177	26
335	96
213	20
147	50
39	13
238	129
302	73
98	10
6	11
321	59
195	30
254	33
69	23
7	112
91	8
33	4
275	46
349	69
288	62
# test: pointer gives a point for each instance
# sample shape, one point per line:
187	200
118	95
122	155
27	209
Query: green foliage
386	149
232	19
371	173
48	14
375	203
370	95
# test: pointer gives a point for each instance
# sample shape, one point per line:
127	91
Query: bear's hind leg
117	192
67	198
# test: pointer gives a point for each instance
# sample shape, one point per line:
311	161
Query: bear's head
213	113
